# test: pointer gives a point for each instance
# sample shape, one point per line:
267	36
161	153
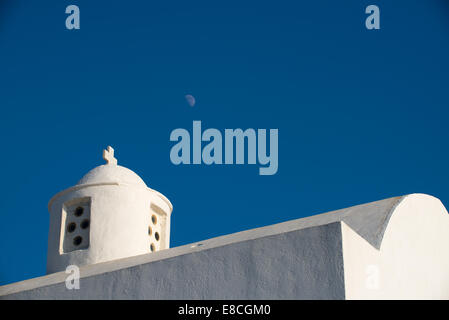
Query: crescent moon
190	99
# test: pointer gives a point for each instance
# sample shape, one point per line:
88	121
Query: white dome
112	173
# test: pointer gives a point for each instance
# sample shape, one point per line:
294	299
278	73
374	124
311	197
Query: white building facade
115	229
109	214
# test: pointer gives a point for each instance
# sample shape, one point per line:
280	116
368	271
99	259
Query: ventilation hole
71	227
85	224
77	240
149	231
154	219
79	211
156	235
152	247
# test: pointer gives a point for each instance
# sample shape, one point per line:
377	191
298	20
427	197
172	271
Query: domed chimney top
109	214
111	173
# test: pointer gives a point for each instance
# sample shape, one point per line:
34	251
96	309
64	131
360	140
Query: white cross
108	155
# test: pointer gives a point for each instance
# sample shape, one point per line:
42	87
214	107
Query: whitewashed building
117	231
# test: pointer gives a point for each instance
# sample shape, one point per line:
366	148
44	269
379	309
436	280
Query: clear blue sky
362	115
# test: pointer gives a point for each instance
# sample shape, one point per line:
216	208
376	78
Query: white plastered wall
413	261
120	215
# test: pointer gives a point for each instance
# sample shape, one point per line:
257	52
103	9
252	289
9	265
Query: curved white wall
120	217
413	261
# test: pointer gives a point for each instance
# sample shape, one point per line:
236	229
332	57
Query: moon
190	99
